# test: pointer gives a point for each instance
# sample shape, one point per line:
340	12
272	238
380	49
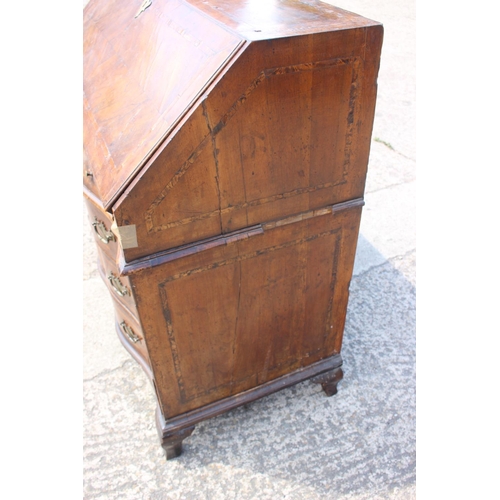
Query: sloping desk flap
142	72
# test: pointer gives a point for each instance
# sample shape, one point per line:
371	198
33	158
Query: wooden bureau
225	153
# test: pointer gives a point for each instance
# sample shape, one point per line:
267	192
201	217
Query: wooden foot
171	439
329	380
172	442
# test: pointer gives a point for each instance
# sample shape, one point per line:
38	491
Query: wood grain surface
140	76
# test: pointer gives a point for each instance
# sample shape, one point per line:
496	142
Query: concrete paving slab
395	113
389	221
367	256
387	167
89	249
102	351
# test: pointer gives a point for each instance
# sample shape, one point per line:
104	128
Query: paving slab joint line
110	370
402	256
389	146
386	261
390	186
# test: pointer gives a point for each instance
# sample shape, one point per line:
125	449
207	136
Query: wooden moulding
159	258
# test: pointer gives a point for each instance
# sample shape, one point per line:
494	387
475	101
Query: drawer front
119	286
229	318
131	335
100	223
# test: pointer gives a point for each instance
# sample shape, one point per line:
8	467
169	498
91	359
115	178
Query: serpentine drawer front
225	157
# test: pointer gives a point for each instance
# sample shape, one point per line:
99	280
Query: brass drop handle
104	235
120	289
129	332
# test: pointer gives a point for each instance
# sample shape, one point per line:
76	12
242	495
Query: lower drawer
131	336
119	286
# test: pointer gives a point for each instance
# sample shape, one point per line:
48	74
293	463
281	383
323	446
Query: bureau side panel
289	142
234	317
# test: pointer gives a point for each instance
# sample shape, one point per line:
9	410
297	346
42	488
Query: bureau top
267	19
146	67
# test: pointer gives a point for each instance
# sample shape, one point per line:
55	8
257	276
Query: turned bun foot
329	380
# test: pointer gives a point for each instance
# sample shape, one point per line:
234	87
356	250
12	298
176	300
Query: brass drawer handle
120	289
104	235
129	332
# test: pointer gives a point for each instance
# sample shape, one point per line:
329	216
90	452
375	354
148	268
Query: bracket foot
329	380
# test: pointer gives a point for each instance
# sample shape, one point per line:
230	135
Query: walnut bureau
226	147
